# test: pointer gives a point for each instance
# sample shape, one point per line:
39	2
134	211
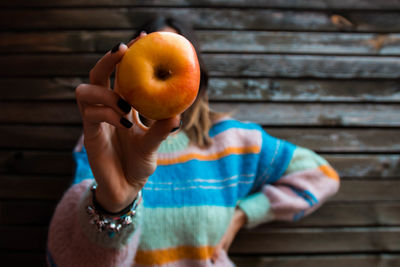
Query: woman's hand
121	152
239	219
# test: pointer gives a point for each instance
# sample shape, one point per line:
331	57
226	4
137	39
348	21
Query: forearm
74	241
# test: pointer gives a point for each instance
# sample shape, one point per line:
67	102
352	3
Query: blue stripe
298	215
83	170
177	174
275	157
306	195
310	195
229	124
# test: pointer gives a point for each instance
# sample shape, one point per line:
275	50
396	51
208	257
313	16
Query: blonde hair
198	119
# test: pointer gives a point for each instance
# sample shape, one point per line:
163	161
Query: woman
174	199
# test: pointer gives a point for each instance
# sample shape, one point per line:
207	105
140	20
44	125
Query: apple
159	75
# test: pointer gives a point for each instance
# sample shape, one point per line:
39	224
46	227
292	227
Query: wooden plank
285	241
379	260
368	191
331	214
227	89
211	41
337	140
267	114
202	18
40	112
36	162
39	88
302	66
369	115
341	140
34	187
349	214
24	258
299	42
299	4
291	66
366	166
39	137
13	238
26	212
61	163
52	188
237	89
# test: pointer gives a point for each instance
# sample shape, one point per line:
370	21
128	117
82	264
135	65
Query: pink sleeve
73	241
308	182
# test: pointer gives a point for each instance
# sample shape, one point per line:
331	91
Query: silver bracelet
111	222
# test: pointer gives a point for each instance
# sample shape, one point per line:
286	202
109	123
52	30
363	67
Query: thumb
214	256
159	131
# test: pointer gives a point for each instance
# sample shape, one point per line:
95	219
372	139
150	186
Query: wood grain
243	65
227	89
322	74
298	4
202	18
288	241
361	166
52	187
379	260
285	241
211	41
35	212
268	114
39	212
24	258
275	89
36	162
339	140
34	187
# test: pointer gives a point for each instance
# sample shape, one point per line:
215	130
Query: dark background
322	74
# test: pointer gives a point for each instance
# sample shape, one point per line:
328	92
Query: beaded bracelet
111	222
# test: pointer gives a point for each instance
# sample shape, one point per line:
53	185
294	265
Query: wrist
111	222
240	217
114	202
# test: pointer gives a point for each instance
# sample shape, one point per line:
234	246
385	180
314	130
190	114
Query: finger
89	94
94	115
214	256
100	73
142	34
159	131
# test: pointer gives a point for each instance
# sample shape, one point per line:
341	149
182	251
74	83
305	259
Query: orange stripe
329	171
227	151
163	256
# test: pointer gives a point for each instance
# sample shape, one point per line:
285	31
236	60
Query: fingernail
123	105
116	48
177	128
125	122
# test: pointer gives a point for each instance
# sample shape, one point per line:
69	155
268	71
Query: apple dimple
162	72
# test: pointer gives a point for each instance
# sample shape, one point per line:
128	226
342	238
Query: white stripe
200	180
199	186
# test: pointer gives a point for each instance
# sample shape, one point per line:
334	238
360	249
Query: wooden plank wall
323	74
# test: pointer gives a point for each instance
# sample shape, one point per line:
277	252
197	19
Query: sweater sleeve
74	241
301	182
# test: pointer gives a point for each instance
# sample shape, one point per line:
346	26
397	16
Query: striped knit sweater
190	199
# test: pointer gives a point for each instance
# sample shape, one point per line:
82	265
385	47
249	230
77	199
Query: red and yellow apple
159	75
